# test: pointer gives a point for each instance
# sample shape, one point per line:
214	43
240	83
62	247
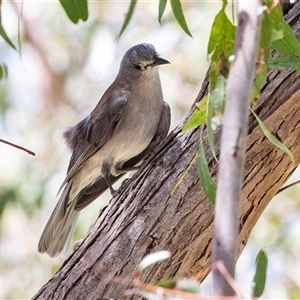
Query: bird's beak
159	61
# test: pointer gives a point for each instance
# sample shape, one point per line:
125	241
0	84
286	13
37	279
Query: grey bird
128	122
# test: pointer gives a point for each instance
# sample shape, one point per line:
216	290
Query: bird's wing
88	136
90	193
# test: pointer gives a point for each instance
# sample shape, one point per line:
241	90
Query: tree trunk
164	208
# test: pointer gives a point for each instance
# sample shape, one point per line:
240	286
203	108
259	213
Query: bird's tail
59	229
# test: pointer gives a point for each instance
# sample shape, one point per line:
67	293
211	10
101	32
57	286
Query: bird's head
142	57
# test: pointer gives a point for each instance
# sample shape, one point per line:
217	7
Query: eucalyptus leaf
272	138
205	177
283	62
271	30
169	283
220	46
75	10
161	9
210	131
6	38
259	279
153	258
3	71
198	117
179	16
128	17
288	45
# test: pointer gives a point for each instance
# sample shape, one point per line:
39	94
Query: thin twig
288	186
17	146
220	266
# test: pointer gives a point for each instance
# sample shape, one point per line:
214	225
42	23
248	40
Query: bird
129	121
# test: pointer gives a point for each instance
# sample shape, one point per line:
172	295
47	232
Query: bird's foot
124	184
113	192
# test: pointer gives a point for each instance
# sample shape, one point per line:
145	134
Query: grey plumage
128	122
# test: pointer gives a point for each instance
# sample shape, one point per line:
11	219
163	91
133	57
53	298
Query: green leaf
222	34
198	117
275	20
288	45
205	178
3	71
216	100
6	38
259	279
169	283
128	17
179	16
221	45
75	9
271	30
161	9
272	138
283	62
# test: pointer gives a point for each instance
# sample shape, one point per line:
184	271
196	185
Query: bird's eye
138	67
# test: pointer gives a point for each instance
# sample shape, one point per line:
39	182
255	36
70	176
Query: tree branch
147	217
17	146
233	144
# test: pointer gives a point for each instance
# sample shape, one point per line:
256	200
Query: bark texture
156	213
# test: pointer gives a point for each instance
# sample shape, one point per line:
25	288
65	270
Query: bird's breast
140	122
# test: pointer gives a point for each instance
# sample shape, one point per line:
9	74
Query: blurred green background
56	80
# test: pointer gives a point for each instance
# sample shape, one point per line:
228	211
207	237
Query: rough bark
151	214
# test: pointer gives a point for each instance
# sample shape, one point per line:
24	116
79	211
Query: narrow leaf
184	173
3	71
75	10
210	132
82	9
6	38
259	279
198	117
272	138
169	283
19	26
283	62
205	178
179	16
153	258
271	30
127	18
161	9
